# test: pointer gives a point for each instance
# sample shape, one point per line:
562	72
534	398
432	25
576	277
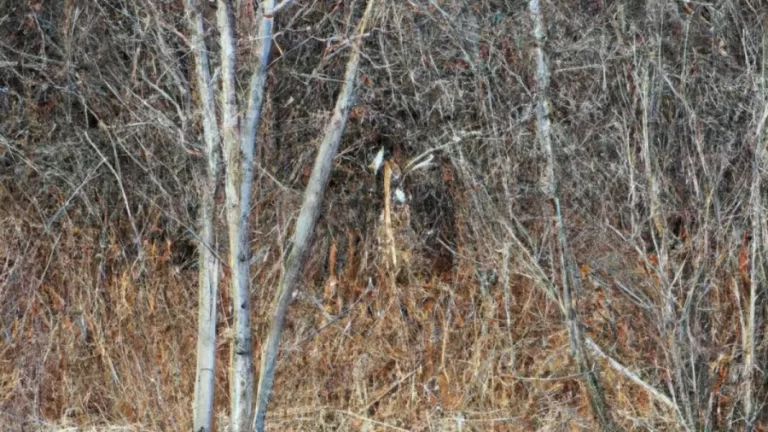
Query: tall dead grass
97	285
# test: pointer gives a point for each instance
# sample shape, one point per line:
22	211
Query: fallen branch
632	376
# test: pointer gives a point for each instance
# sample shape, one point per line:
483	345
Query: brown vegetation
657	113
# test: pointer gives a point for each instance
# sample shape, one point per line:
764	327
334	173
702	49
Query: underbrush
656	117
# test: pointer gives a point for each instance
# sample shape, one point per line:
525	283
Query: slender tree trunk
549	184
239	149
305	224
206	330
660	239
238	189
208	263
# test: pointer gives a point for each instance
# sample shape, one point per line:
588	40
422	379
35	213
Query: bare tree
569	273
238	150
208	262
305	225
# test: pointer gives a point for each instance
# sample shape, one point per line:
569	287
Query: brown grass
97	262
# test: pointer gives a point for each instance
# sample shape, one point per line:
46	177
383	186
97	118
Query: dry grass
98	167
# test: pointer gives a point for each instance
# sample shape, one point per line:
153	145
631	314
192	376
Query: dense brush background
101	152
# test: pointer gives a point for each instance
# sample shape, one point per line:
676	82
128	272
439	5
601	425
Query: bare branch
281	5
632	376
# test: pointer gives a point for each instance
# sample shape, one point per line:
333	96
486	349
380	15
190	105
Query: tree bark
305	224
208	262
238	190
239	149
549	185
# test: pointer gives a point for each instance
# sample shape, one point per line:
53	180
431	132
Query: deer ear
378	161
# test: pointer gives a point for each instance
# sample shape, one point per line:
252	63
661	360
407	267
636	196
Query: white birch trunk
239	149
208	263
238	181
305	224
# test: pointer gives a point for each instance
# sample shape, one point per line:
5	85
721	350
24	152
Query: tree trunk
570	275
208	262
305	224
239	149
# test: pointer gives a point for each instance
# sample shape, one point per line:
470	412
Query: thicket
658	113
